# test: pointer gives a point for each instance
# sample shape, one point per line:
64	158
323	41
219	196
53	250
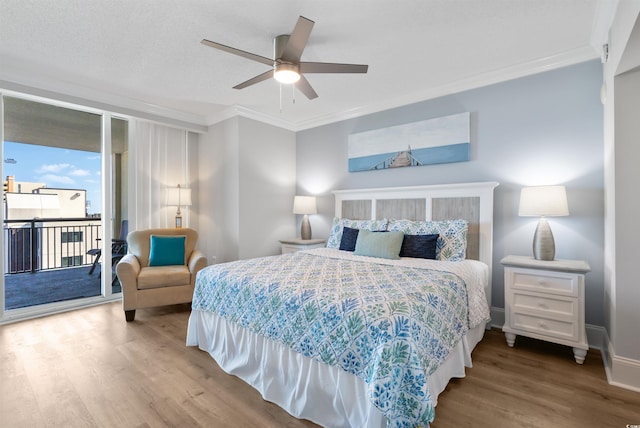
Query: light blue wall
542	129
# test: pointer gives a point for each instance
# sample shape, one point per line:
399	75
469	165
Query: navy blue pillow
419	246
349	238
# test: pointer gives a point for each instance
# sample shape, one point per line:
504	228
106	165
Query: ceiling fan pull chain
293	93
280	98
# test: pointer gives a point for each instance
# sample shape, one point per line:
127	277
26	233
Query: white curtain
159	158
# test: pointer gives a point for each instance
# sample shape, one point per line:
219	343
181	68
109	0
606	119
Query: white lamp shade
179	196
543	201
304	205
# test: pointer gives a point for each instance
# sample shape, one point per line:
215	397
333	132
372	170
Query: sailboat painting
428	142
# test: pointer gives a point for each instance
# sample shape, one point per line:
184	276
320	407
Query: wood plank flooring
89	368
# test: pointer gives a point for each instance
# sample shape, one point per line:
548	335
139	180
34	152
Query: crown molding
576	56
241	111
564	59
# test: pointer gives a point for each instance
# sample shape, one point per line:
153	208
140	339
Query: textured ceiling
148	52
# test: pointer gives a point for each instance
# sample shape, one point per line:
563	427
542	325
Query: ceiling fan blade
248	55
297	40
259	78
305	87
329	67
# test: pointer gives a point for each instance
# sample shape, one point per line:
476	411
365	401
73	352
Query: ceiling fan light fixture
286	73
285	65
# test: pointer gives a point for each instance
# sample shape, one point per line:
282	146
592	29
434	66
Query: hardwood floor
89	368
535	384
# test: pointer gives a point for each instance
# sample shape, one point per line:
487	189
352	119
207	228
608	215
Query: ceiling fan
286	64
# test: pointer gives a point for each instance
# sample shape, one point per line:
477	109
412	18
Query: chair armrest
128	269
196	262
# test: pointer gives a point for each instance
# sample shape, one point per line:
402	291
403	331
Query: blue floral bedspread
390	325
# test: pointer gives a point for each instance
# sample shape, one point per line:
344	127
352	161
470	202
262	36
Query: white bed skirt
306	388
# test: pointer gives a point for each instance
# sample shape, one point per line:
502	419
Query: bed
345	339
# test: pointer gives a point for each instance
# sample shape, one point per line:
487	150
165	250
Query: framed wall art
427	142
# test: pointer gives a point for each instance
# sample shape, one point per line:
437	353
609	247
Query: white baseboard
622	372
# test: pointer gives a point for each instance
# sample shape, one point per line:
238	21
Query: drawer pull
542	305
543	326
542	282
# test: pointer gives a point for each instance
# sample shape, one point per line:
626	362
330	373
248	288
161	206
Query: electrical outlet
213	260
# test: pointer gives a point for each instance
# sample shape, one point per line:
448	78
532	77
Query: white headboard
470	201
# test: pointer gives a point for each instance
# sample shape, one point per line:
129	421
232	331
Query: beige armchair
145	286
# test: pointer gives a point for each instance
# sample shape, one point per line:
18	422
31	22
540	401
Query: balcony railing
53	243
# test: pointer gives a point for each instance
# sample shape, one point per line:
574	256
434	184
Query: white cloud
56	179
55	168
80	172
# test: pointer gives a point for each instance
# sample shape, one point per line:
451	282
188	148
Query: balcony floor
31	289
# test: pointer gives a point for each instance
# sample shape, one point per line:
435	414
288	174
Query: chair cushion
139	242
166	250
163	276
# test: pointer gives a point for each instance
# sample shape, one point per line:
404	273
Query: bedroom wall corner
218	192
247	183
267	185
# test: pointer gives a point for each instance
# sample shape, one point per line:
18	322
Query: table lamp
305	205
543	201
177	197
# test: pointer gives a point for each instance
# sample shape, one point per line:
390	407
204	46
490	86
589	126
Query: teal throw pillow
167	250
384	245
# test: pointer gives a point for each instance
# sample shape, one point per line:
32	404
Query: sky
57	168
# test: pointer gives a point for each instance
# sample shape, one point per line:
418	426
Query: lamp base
544	247
305	228
178	218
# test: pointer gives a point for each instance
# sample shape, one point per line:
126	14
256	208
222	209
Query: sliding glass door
59	162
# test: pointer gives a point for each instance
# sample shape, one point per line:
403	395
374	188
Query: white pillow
452	240
335	235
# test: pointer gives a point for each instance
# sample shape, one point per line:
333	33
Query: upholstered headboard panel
470	201
467	208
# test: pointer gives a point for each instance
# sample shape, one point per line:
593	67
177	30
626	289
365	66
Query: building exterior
46	228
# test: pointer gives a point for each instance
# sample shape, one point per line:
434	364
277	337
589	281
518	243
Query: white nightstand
545	300
297	244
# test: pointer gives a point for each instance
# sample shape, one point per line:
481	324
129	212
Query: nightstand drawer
545	306
545	326
550	282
